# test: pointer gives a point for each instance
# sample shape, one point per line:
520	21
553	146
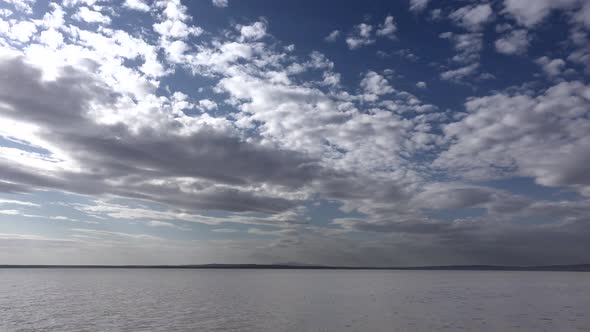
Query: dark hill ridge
573	268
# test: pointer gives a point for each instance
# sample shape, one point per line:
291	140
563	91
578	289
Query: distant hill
574	268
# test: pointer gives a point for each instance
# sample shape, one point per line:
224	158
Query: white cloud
90	16
468	46
220	3
460	73
174	22
139	5
157	223
4	12
388	28
583	15
361	36
375	85
333	36
504	135
515	42
530	13
55	18
255	31
175	51
551	67
421	85
116	235
176	29
417	6
473	17
51	38
17	202
25	6
21	31
207	104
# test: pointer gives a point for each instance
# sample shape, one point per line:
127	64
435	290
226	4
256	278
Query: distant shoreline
565	268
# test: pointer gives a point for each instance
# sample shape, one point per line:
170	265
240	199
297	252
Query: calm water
291	300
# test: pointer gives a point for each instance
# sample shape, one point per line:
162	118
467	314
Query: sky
383	133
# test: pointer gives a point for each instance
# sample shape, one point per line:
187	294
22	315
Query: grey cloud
473	17
113	152
514	130
531	13
514	42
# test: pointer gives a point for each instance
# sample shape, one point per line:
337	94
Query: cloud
551	124
583	15
551	67
173	24
515	42
375	85
255	31
361	36
467	45
224	230
25	6
473	17
207	104
115	149
531	13
138	5
116	235
167	124
220	3
165	224
333	36
17	202
417	6
20	31
460	73
90	16
388	28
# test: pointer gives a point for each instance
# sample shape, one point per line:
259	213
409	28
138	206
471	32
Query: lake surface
291	300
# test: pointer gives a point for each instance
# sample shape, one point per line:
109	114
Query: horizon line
472	267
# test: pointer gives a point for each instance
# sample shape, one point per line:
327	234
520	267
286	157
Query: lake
292	300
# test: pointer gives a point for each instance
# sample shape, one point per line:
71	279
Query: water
291	300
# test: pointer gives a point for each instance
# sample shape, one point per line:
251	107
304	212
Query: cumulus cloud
207	104
513	130
139	5
255	31
417	6
220	3
467	45
531	13
90	16
25	6
361	36
473	17
375	85
332	36
459	73
551	67
515	42
388	28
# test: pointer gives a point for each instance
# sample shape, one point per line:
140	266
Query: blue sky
326	132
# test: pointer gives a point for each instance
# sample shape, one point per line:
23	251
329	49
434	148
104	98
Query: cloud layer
178	124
